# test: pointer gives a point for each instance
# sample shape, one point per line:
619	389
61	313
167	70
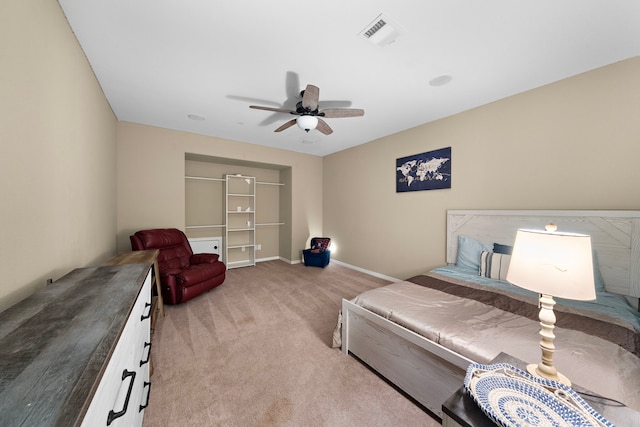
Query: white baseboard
288	261
272	258
369	272
344	264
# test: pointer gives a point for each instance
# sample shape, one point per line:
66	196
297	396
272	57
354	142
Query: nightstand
459	410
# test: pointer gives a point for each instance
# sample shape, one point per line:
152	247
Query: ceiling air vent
380	31
371	31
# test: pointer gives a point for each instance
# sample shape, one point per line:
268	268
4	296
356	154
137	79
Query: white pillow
493	265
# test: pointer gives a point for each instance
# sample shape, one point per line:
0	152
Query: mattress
480	331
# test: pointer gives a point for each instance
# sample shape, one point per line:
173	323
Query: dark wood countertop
55	344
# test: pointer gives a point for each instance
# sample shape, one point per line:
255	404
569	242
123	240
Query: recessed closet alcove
207	204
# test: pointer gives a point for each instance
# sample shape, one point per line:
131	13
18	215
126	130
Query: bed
422	333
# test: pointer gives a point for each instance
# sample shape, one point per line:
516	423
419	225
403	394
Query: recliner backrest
320	243
175	251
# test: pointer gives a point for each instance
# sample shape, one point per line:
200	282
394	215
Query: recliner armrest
170	272
203	258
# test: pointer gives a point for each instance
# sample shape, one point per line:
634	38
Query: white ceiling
159	61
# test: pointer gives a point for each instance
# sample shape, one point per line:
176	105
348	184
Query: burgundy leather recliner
183	274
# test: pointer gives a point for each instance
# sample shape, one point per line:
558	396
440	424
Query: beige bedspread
480	332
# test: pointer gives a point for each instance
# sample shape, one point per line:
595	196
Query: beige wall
57	152
574	144
151	188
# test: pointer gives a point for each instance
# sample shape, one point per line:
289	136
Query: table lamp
552	264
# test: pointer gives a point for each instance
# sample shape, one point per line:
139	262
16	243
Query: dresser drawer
121	392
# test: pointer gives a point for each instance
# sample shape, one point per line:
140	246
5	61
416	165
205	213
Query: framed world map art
425	171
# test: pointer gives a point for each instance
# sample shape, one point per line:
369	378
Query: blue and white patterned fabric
514	398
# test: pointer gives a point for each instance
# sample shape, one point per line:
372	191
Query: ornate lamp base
532	368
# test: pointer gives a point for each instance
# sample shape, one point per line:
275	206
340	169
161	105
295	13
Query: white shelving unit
240	211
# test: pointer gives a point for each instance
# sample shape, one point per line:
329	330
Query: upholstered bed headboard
615	236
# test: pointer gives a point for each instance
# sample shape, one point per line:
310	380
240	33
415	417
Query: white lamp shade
307	122
556	264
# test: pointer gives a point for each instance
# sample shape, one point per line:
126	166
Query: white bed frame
428	372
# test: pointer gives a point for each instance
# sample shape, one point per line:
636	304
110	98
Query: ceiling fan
309	116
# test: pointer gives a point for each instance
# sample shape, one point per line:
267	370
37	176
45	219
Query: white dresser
78	352
120	398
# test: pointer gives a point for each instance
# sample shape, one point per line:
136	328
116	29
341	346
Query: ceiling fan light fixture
307	123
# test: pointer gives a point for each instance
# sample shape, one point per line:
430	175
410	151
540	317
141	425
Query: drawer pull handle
114	415
144	317
142	362
146	384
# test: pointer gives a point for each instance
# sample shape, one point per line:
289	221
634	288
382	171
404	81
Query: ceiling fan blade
286	125
258	100
277	110
310	97
292	85
324	104
324	127
342	112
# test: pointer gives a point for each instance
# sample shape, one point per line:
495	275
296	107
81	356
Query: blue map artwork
426	171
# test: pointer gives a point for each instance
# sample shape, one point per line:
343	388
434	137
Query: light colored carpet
256	352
